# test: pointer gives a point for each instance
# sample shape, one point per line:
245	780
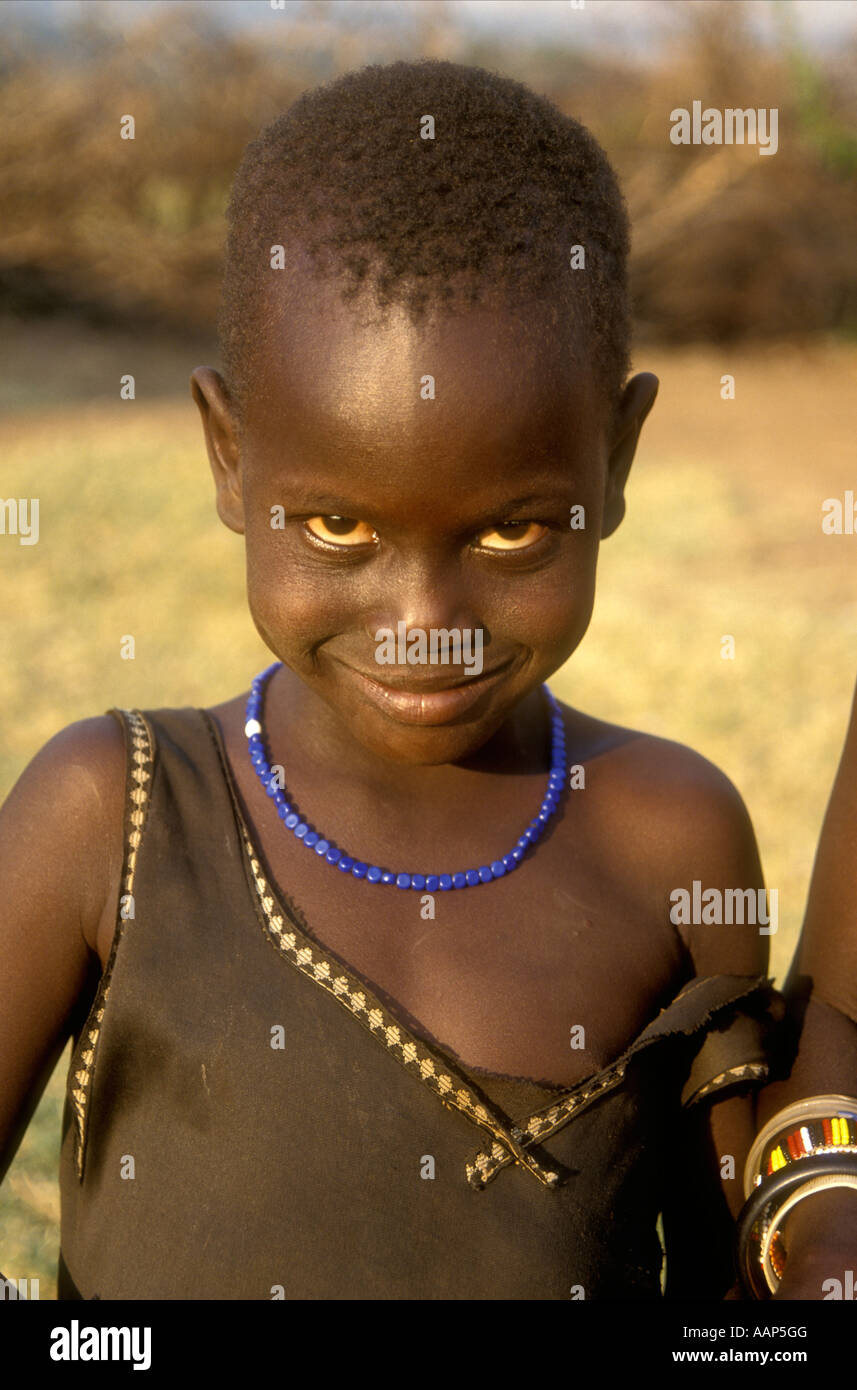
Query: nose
424	593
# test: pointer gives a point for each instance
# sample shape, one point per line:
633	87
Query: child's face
458	509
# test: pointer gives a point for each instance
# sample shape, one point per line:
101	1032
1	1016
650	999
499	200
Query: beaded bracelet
820	1128
818	1124
759	1268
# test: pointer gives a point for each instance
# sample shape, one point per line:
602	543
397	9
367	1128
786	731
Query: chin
420	745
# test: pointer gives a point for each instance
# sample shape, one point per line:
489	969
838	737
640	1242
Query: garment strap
139	767
735	1054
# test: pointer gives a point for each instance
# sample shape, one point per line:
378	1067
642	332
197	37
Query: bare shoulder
670	818
664	782
85	761
62	822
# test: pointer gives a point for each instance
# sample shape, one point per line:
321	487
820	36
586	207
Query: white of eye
517	540
340	531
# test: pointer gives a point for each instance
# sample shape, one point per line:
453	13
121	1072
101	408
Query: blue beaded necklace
346	863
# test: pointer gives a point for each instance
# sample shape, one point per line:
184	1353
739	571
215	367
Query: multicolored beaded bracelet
830	1132
809	1145
814	1125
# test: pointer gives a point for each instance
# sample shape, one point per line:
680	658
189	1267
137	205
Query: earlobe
221	442
614	514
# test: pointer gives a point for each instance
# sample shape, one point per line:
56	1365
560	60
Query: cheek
294	612
291	605
552	611
564	611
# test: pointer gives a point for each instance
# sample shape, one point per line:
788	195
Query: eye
514	535
343	531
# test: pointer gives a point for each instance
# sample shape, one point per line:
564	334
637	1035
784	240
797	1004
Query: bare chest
547	973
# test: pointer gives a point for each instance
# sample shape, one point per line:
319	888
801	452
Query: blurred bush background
110	254
727	245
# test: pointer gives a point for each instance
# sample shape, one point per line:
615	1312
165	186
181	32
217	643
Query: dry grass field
722	536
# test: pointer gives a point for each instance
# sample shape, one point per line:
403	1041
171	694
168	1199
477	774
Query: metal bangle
777	1185
806	1190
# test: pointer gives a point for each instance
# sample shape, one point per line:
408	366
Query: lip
421	702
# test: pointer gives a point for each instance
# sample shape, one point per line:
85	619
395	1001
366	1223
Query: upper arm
718	850
699	832
705	838
825	962
60	862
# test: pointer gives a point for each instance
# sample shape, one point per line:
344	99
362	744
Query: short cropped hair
497	199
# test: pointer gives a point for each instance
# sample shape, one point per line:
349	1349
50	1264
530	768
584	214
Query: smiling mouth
435	700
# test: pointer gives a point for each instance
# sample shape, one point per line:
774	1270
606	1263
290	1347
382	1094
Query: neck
521	746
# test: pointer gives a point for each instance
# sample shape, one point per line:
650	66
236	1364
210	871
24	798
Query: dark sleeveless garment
201	1161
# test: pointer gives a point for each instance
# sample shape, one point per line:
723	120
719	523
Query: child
391	999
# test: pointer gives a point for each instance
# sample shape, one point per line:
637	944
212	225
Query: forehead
347	383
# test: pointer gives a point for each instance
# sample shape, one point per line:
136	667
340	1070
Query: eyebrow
327	504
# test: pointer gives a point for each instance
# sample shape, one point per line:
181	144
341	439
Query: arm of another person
820	1233
60	865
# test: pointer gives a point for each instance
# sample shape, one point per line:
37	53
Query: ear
221	440
637	400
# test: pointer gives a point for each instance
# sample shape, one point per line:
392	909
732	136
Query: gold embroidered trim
543	1123
547	1121
135	814
755	1071
406	1049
